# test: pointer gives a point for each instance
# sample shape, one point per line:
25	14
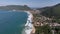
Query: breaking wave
28	25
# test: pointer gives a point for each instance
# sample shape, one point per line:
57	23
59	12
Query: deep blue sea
12	22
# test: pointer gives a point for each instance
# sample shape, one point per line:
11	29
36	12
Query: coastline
30	29
33	30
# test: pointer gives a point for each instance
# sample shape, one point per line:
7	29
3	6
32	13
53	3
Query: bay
12	22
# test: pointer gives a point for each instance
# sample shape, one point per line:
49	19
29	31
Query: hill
51	11
16	7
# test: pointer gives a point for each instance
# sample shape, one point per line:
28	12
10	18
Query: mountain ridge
16	7
51	11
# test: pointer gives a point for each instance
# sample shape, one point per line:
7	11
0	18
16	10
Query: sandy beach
33	31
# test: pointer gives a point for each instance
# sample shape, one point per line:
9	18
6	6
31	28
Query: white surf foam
28	25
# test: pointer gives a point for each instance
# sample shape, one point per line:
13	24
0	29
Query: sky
30	3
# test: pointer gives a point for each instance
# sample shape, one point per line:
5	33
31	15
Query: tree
43	29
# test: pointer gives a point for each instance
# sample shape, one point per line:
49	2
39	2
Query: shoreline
30	29
30	17
33	30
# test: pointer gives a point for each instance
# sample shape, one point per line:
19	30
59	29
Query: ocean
15	22
12	22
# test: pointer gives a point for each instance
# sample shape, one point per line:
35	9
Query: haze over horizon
30	3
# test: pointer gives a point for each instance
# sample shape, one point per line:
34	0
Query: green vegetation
46	29
51	11
56	20
57	29
16	7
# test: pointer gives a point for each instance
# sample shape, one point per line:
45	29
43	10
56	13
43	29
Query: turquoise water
12	22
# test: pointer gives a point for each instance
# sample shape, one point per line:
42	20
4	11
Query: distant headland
15	7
